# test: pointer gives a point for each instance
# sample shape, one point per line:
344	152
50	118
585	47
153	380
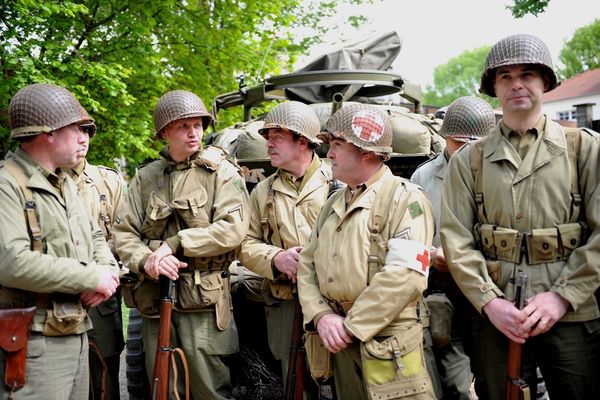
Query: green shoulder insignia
415	209
239	185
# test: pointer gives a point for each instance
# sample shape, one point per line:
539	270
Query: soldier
365	267
54	255
102	189
284	210
526	199
187	214
467	118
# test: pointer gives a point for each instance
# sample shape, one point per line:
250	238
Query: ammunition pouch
318	357
279	289
14	325
394	366
141	294
536	247
64	318
440	319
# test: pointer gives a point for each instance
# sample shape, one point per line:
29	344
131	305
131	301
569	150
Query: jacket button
339	229
329	280
519	216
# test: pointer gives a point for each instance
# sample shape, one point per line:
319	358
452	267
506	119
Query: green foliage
118	57
520	8
582	52
460	76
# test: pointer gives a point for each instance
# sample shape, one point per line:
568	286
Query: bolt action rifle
164	352
294	385
516	387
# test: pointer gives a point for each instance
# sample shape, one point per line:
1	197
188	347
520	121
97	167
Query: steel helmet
296	117
365	126
468	116
43	108
176	105
517	49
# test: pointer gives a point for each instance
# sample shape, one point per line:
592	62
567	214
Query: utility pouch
486	234
394	366
493	268
64	318
440	320
143	295
570	236
14	325
319	358
543	246
198	290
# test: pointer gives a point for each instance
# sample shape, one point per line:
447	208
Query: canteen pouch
14	325
64	318
223	307
440	319
281	289
394	366
190	208
198	290
157	217
143	295
493	268
319	358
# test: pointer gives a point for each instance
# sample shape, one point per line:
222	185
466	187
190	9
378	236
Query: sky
435	31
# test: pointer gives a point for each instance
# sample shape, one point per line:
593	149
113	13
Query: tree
520	8
119	56
460	76
582	52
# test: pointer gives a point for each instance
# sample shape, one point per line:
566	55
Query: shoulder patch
415	209
239	185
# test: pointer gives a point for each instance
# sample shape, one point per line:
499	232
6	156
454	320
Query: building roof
585	84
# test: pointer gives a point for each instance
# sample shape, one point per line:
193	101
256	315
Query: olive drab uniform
282	216
539	214
372	270
72	250
200	208
103	190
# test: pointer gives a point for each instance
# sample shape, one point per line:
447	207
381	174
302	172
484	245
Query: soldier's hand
334	334
91	299
507	318
286	261
438	260
163	262
543	310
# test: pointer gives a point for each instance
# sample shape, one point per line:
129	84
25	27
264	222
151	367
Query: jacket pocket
157	216
191	208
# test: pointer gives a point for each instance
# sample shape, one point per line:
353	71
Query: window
567	115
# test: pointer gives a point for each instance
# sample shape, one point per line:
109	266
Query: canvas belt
536	247
11	298
217	263
343	307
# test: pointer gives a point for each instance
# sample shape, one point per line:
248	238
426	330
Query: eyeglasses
89	128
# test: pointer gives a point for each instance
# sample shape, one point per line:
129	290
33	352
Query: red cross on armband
423	258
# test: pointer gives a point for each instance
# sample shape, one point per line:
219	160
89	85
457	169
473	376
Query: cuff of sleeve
488	296
563	292
174	242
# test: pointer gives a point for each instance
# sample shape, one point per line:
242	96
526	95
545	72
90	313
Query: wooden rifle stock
294	385
160	375
515	385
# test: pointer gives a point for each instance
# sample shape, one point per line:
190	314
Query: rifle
294	384
515	385
160	375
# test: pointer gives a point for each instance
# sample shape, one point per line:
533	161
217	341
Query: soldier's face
345	159
519	88
69	146
283	150
183	137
